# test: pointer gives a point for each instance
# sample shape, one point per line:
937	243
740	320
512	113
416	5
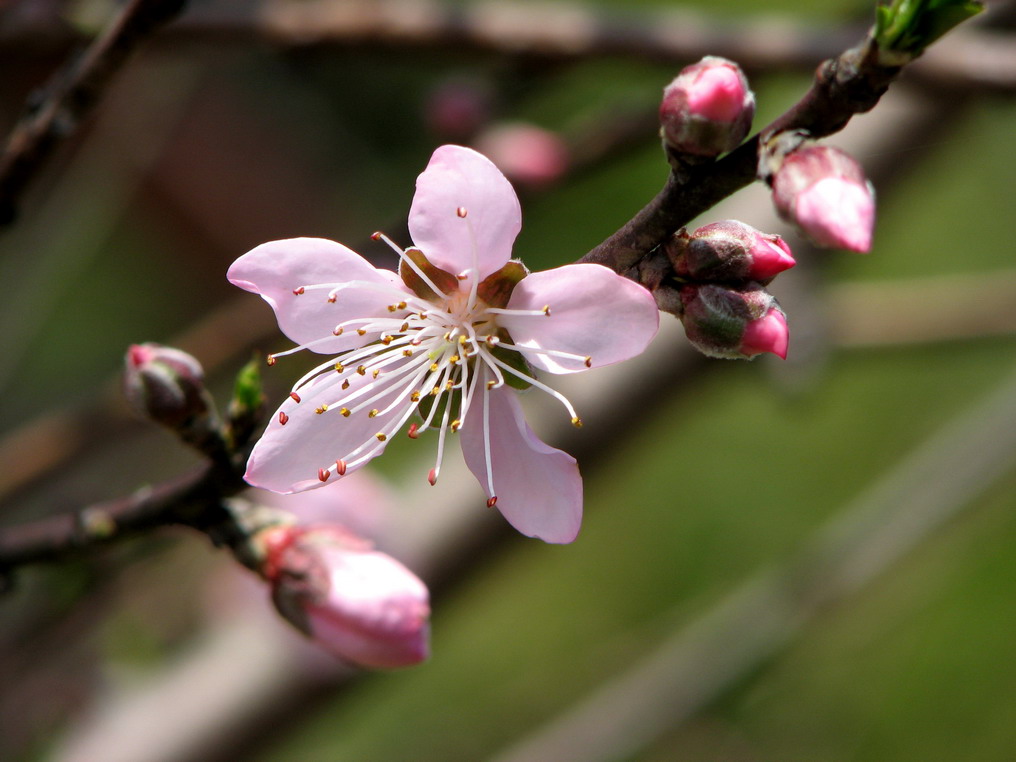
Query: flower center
438	357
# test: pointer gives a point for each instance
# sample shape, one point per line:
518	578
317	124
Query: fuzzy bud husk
728	252
733	323
164	384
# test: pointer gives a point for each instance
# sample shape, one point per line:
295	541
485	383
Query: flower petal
287	457
594	313
538	488
276	268
460	178
375	612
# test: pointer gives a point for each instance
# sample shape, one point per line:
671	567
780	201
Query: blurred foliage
726	478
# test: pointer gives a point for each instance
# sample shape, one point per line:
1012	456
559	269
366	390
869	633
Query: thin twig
194	499
71	94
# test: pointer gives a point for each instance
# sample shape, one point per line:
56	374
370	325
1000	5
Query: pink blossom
766	334
358	603
445	338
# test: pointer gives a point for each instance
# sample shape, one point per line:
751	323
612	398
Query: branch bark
850	84
71	94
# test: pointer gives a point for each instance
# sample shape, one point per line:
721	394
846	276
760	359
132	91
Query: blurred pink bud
457	108
733	323
767	334
526	154
825	193
707	109
358	603
164	384
729	251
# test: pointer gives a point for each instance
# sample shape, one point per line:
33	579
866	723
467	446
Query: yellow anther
449	385
433	367
362	370
373	413
415	396
376	373
435	391
454	359
271	360
546	310
362	331
320	409
339	367
381	436
491	385
456	425
576	422
392	307
407	352
344	412
387	340
401	305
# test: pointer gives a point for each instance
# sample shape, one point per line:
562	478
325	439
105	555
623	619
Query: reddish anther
295	396
283	418
323	475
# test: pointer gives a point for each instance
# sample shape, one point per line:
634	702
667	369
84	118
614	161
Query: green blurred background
764	573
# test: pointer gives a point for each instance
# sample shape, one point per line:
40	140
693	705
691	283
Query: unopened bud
729	252
825	193
528	155
358	603
733	323
707	109
165	384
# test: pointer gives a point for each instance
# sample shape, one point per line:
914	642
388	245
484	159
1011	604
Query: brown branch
849	84
194	500
71	95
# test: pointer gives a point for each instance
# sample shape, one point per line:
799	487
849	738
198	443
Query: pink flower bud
358	603
825	193
164	384
767	334
526	154
707	109
729	251
733	323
